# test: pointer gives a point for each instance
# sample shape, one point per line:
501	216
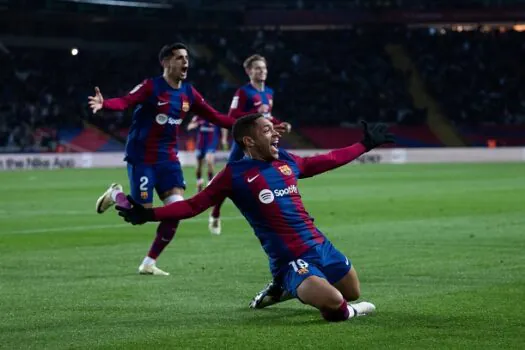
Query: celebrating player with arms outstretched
253	97
161	103
263	185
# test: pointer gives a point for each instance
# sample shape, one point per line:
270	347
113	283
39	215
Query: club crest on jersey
302	271
161	119
144	195
285	169
185	106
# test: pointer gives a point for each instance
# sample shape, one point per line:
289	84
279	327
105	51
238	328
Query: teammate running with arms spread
160	103
253	97
263	186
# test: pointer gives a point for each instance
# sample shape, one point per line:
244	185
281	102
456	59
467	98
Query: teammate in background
253	97
207	142
263	186
160	103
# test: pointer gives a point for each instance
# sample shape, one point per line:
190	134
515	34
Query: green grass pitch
440	250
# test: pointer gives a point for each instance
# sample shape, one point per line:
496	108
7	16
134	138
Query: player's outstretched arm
239	99
373	136
139	94
213	194
205	111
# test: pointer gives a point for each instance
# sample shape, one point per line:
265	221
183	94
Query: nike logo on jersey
162	103
257	103
347	262
251	179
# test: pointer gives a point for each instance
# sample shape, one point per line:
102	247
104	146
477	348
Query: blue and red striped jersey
207	133
248	99
267	195
159	111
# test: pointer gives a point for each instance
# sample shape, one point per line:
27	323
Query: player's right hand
376	135
137	214
283	128
96	102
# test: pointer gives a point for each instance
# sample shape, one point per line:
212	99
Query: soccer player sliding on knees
263	186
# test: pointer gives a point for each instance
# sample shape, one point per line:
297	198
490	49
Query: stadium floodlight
126	3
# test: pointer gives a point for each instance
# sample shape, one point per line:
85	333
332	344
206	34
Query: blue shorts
206	145
323	260
236	153
162	177
202	152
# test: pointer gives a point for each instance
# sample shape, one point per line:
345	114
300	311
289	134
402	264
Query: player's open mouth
275	145
184	70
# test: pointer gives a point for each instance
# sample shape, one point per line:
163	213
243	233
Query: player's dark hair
253	58
167	50
244	127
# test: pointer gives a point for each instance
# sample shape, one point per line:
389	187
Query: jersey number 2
143	183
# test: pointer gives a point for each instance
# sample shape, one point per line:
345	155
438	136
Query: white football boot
214	225
361	309
151	269
105	201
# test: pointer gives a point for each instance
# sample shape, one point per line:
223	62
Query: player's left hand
137	214
283	128
376	135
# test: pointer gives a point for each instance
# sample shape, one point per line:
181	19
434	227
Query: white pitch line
100	227
16	213
62	229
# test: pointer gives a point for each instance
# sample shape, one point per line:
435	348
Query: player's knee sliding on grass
264	187
161	103
331	263
334	307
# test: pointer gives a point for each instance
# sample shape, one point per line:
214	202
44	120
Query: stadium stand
322	79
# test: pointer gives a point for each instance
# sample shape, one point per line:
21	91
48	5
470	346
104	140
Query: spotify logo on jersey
161	119
266	196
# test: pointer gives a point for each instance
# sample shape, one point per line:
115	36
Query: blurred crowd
38	91
320	77
478	77
323	77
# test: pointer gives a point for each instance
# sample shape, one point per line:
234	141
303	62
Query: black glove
137	214
376	135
